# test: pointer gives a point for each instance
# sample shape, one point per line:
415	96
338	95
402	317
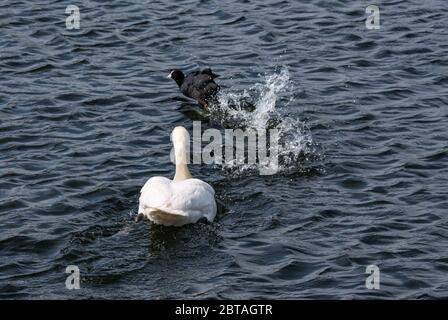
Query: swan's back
177	202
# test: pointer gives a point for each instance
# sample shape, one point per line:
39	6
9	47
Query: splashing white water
264	107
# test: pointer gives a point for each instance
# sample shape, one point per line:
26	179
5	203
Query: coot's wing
209	89
209	72
199	87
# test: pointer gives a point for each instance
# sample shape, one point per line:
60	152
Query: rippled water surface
85	118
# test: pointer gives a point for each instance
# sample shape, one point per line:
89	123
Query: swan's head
181	142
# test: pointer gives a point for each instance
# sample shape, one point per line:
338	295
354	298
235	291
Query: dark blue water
85	118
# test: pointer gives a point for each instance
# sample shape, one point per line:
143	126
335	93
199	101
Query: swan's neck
182	172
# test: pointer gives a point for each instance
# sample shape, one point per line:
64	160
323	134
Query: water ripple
85	117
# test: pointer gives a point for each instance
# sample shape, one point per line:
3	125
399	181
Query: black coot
199	85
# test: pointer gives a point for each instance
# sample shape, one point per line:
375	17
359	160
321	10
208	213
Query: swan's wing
190	198
155	193
194	195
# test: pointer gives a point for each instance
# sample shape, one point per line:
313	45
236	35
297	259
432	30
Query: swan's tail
168	217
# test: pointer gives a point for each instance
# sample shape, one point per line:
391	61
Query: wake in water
263	107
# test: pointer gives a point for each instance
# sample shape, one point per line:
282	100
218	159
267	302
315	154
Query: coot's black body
198	85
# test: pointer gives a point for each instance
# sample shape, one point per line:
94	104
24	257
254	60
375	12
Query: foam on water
264	107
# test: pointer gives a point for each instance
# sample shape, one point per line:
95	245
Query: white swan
179	201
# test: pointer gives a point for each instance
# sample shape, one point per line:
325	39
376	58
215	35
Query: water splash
263	107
